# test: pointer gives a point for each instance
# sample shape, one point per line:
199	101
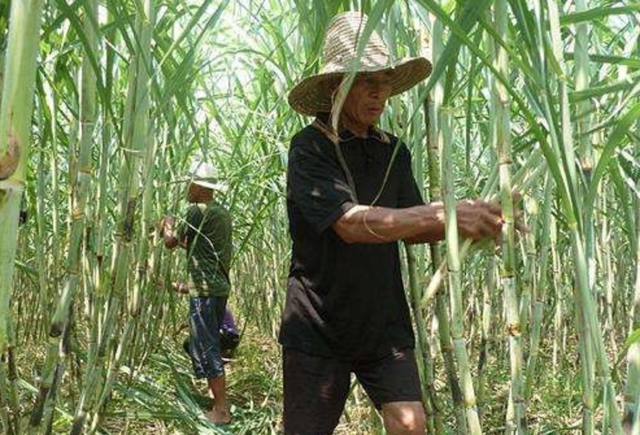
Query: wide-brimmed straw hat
310	97
204	174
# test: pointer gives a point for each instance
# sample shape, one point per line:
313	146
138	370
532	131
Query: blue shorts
205	317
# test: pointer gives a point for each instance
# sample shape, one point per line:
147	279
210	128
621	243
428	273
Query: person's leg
393	384
403	418
315	392
217	386
219	414
206	355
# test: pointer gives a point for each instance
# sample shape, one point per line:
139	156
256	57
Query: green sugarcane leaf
599	91
621	189
632	339
194	20
598	13
632	62
615	140
468	18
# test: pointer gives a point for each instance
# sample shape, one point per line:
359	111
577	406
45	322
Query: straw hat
205	175
341	44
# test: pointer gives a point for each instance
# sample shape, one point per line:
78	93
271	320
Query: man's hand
180	287
166	231
167	222
479	220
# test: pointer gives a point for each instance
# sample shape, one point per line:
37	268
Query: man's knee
404	418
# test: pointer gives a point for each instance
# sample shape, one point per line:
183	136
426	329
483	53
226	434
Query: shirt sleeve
409	193
316	184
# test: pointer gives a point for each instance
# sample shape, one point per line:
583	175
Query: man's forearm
365	224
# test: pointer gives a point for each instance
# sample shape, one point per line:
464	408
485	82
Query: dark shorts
316	388
205	316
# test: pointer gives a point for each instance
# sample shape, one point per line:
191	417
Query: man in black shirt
351	196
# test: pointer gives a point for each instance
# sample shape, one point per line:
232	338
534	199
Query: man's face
197	193
368	96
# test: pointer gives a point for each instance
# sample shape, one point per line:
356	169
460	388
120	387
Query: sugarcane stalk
483	355
632	387
631	417
9	399
431	108
584	135
583	126
425	349
136	140
593	353
516	420
540	300
43	282
81	177
15	128
454	275
415	259
88	111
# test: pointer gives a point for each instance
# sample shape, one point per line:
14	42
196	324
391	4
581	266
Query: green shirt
207	233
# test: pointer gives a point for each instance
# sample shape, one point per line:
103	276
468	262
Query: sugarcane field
317	217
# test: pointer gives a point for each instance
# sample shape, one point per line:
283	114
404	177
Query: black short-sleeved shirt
344	300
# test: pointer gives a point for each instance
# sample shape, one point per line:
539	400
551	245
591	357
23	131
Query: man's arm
171	241
421	224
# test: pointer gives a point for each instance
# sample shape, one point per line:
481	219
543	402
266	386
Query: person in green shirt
205	233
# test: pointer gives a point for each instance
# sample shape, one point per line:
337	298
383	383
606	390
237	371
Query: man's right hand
166	231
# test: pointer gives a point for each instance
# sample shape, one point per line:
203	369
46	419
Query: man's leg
206	353
393	384
217	386
219	413
403	418
315	392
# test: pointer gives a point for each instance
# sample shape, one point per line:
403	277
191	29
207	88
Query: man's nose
376	91
379	91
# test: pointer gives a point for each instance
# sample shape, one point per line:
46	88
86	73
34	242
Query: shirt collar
322	124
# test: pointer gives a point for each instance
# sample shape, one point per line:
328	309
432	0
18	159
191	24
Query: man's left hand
180	287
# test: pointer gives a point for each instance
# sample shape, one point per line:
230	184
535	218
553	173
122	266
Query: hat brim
213	186
309	97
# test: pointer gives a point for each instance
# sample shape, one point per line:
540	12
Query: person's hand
479	220
180	287
166	223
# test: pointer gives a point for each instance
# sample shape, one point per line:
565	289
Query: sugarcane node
77	214
11	159
56	330
514	330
